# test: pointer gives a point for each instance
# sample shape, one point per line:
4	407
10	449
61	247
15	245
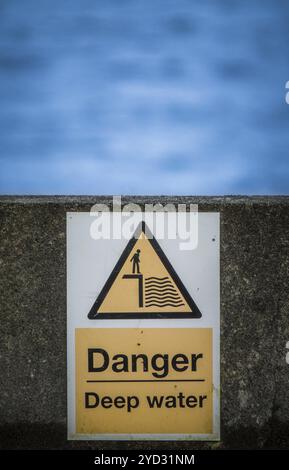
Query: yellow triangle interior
160	293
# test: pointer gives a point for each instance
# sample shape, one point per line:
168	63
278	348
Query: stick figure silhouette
135	262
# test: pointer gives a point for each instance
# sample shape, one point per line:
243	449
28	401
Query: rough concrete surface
254	322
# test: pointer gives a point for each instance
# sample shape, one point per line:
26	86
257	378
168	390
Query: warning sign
143	334
143	380
144	284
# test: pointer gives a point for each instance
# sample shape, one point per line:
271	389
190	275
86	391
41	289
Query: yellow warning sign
144	284
138	381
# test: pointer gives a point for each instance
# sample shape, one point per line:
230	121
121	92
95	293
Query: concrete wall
254	321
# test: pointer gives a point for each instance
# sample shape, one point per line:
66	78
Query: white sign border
169	323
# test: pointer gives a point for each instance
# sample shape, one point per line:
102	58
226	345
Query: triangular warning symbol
143	284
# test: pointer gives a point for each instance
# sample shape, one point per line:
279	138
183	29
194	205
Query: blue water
144	96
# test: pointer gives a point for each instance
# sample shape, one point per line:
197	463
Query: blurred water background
144	97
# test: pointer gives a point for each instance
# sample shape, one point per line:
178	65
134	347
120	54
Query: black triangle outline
94	315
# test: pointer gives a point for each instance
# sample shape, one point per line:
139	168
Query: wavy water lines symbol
161	292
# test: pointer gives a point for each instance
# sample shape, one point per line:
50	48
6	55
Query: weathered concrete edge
107	199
